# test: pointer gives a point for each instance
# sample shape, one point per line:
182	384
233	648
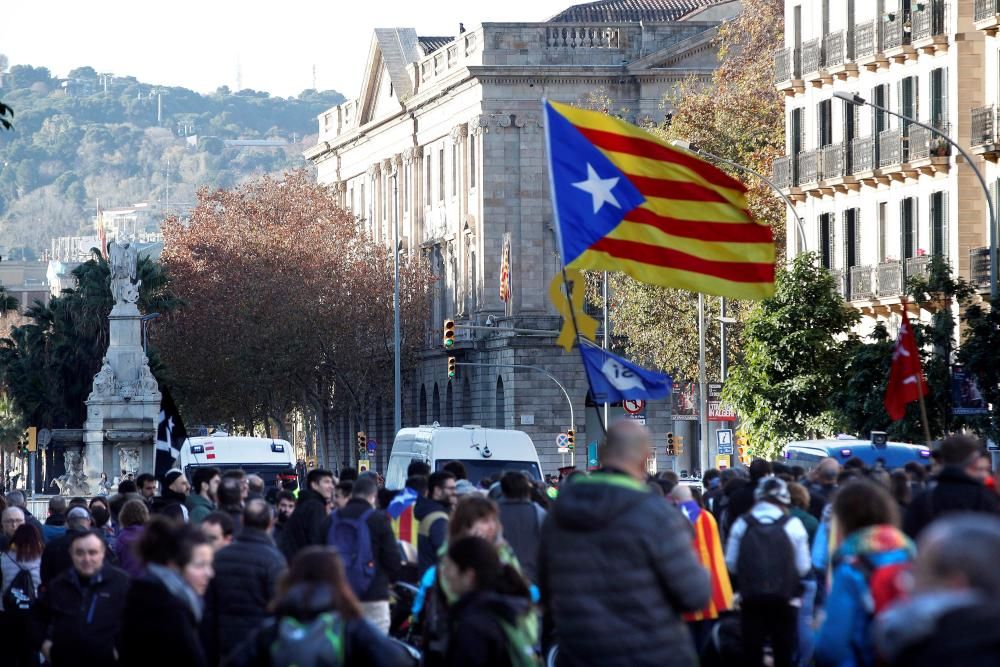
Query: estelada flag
708	548
505	269
906	377
626	201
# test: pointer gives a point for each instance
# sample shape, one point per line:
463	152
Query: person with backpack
20	567
869	571
363	537
768	553
492	624
317	621
246	576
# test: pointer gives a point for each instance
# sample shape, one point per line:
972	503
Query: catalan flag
400	510
627	201
708	548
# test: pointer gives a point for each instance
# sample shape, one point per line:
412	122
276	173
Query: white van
271	459
484	451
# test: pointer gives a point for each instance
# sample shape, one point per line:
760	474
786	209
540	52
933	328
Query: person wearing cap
56	558
773	615
173	501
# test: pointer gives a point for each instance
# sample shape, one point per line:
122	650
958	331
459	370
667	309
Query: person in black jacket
305	526
313	598
163	607
741	500
77	619
432	512
960	485
375	600
56	558
616	566
172	501
522	521
246	577
489	593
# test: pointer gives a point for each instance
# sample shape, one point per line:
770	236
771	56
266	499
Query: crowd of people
843	565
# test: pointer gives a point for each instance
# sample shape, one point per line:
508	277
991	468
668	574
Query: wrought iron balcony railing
782	171
891	146
983	125
862	283
866	39
863	154
893	34
924	143
888	279
929	20
807	167
812	56
832	161
986	9
979	266
833	49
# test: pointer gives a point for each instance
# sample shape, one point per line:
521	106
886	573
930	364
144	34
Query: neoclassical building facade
446	139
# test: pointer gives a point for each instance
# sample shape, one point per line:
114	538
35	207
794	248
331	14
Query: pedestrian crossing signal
449	334
452	368
570	439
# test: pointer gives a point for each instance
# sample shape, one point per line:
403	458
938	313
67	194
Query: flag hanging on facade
614	379
906	377
170	435
626	201
505	269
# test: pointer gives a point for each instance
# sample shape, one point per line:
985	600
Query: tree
288	305
978	355
794	354
48	363
739	116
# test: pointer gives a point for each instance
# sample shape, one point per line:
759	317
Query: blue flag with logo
614	379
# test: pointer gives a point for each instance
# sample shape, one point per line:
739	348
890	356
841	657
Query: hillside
92	136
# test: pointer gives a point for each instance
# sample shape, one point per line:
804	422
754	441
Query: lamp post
397	385
860	101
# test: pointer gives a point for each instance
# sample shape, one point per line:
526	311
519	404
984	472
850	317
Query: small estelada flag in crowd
170	435
906	377
626	201
505	270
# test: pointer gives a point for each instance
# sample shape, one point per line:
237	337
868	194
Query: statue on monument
123	259
74	481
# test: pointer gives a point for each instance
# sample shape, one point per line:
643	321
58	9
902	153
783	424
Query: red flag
906	377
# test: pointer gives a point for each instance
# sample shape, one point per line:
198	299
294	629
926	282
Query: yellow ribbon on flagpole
568	307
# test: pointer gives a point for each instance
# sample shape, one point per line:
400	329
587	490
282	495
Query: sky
201	45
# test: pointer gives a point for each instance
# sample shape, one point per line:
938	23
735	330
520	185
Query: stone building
445	137
879	196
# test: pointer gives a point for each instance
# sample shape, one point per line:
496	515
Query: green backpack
318	643
521	639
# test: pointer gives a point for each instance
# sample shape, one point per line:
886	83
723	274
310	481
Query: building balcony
979	266
781	172
862	283
868	50
788	71
888	280
918	267
864	156
808	171
838	51
814	63
983	132
929	24
986	14
840	282
929	153
835	173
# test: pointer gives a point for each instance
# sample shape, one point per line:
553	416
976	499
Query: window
939	96
908	99
472	162
883	221
880	119
428	196
826	245
939	223
908	223
824	123
852	237
441	174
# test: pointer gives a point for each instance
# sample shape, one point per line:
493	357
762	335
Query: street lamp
860	101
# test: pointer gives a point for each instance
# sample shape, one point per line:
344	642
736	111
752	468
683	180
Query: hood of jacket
591	503
875	540
506	607
307	494
304	602
916	620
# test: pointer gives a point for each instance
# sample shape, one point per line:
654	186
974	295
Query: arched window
449	406
467	402
423	405
436	404
499	419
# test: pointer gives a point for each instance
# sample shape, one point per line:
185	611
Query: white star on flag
598	188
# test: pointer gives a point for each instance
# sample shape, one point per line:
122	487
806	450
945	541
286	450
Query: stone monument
124	404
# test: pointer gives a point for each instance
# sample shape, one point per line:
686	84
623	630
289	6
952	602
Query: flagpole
604	289
923	383
696	459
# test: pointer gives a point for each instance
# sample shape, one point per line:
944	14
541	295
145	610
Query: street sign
634	407
724	437
372	445
592	461
562	443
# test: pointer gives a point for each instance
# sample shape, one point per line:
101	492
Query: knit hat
171	476
773	489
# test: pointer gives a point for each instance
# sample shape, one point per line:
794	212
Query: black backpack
20	596
766	565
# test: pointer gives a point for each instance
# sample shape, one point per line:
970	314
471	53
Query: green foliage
795	349
111	141
978	355
48	363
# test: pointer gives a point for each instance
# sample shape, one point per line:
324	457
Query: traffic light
742	450
362	441
571	439
449	334
32	439
670	444
679	445
452	368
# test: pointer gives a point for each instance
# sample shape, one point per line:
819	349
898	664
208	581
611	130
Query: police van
484	452
876	451
269	458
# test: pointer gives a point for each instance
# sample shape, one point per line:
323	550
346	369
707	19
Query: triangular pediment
386	81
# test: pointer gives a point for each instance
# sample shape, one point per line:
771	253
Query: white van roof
228	449
465	442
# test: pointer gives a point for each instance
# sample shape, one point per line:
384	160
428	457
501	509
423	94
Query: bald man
616	566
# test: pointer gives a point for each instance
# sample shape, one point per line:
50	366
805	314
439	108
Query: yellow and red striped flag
708	548
626	201
505	269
